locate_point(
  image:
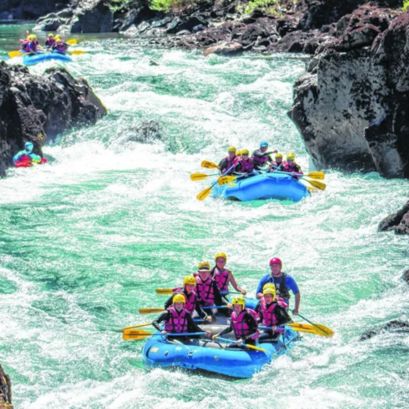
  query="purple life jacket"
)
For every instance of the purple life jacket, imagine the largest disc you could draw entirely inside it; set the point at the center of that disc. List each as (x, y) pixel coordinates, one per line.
(240, 326)
(177, 322)
(205, 290)
(222, 279)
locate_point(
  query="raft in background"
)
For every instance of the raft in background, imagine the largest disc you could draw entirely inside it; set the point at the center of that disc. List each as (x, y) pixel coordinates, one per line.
(38, 58)
(235, 363)
(262, 187)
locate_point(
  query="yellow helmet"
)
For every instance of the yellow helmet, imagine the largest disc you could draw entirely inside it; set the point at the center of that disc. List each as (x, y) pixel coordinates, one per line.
(50, 35)
(269, 290)
(278, 155)
(268, 285)
(290, 156)
(178, 298)
(238, 300)
(239, 152)
(203, 265)
(220, 255)
(57, 37)
(189, 280)
(32, 37)
(231, 149)
(244, 151)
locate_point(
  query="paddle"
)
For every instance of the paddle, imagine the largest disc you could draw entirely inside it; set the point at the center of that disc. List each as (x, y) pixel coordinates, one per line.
(323, 329)
(139, 335)
(201, 176)
(307, 328)
(72, 41)
(209, 165)
(249, 346)
(225, 180)
(205, 193)
(169, 291)
(315, 183)
(152, 310)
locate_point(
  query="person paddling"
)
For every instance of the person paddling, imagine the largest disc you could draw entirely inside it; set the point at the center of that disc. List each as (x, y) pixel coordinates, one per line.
(283, 282)
(49, 43)
(30, 45)
(177, 320)
(290, 165)
(245, 166)
(26, 155)
(278, 163)
(272, 312)
(223, 276)
(60, 46)
(231, 161)
(243, 323)
(192, 301)
(261, 157)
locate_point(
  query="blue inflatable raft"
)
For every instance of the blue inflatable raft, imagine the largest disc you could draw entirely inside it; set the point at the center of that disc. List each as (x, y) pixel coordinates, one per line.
(211, 357)
(37, 58)
(263, 186)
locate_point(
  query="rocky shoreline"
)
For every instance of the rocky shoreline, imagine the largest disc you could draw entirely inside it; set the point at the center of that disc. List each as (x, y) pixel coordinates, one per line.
(37, 108)
(5, 391)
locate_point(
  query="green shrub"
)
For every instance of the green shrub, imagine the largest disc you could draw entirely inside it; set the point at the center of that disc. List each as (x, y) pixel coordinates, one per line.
(405, 6)
(262, 5)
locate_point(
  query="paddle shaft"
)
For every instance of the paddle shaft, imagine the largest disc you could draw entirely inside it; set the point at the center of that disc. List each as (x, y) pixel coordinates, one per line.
(310, 322)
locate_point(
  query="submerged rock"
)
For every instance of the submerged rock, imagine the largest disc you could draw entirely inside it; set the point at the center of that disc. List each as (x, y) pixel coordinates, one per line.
(37, 108)
(5, 391)
(394, 325)
(352, 108)
(398, 222)
(405, 276)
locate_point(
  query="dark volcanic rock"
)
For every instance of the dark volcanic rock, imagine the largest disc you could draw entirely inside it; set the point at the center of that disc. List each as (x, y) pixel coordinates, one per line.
(37, 108)
(394, 325)
(352, 107)
(405, 276)
(5, 391)
(28, 9)
(398, 222)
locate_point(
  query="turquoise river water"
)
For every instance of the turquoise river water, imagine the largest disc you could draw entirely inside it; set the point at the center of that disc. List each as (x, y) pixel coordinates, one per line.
(85, 240)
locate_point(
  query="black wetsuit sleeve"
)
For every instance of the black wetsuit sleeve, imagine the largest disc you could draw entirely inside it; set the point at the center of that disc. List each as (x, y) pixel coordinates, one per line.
(252, 324)
(163, 317)
(192, 326)
(168, 302)
(226, 330)
(217, 296)
(259, 312)
(222, 164)
(200, 312)
(282, 315)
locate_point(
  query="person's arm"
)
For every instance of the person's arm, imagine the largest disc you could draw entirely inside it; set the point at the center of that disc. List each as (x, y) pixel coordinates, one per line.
(252, 324)
(163, 317)
(259, 291)
(297, 303)
(282, 315)
(18, 155)
(259, 312)
(233, 282)
(222, 165)
(292, 285)
(200, 311)
(191, 325)
(168, 302)
(217, 296)
(224, 332)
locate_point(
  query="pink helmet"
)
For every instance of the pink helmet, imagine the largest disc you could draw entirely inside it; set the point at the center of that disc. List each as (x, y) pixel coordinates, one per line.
(275, 260)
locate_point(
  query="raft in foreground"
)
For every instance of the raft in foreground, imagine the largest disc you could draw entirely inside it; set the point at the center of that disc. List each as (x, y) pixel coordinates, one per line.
(37, 58)
(235, 363)
(262, 187)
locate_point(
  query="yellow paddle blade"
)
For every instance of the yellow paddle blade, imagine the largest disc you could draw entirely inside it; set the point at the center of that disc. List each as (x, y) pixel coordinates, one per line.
(164, 291)
(198, 176)
(316, 174)
(135, 334)
(209, 165)
(77, 52)
(316, 183)
(150, 310)
(16, 53)
(72, 41)
(204, 193)
(249, 346)
(224, 180)
(317, 329)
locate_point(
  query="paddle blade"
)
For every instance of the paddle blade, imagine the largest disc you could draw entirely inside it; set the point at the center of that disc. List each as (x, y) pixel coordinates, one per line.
(13, 54)
(72, 41)
(254, 348)
(164, 291)
(316, 183)
(224, 180)
(150, 310)
(204, 193)
(316, 174)
(77, 52)
(198, 176)
(209, 165)
(135, 334)
(317, 329)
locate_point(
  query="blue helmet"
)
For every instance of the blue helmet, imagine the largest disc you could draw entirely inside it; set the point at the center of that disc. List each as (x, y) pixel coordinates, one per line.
(263, 144)
(29, 146)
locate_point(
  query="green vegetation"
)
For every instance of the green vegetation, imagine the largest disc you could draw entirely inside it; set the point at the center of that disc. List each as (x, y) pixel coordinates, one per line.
(168, 5)
(266, 6)
(405, 6)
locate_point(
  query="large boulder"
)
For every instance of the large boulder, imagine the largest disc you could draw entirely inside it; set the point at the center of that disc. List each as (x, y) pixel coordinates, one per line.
(28, 9)
(5, 391)
(397, 222)
(37, 108)
(352, 108)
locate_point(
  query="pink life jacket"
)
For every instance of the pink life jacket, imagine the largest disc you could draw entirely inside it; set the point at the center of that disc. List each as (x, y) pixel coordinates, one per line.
(190, 305)
(177, 322)
(246, 165)
(222, 279)
(269, 316)
(240, 327)
(205, 290)
(291, 167)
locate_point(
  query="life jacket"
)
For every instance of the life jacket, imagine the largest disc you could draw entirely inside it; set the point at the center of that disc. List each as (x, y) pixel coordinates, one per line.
(240, 326)
(60, 47)
(50, 42)
(259, 158)
(246, 165)
(281, 288)
(190, 298)
(227, 163)
(269, 316)
(222, 279)
(205, 290)
(278, 166)
(291, 167)
(177, 322)
(25, 46)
